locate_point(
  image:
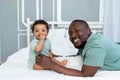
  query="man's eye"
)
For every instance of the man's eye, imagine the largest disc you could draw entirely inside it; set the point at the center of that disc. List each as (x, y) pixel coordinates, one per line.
(77, 31)
(70, 33)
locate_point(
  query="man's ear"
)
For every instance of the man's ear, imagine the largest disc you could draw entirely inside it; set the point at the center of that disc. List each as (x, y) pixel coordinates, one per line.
(89, 31)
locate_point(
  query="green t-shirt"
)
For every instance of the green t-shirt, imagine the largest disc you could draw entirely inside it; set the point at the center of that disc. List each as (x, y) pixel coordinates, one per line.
(101, 52)
(45, 50)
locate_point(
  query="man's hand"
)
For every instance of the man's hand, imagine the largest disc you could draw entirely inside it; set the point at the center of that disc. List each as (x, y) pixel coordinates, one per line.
(44, 61)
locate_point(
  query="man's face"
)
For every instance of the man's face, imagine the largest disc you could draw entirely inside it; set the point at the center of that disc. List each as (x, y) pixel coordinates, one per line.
(78, 34)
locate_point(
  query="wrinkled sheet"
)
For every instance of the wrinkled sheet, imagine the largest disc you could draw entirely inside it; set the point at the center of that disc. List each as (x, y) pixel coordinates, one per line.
(15, 68)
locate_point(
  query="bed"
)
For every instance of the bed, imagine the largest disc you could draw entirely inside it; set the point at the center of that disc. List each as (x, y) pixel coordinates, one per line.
(15, 67)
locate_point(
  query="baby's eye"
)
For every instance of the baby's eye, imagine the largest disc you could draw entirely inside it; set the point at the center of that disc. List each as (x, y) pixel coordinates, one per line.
(43, 30)
(36, 31)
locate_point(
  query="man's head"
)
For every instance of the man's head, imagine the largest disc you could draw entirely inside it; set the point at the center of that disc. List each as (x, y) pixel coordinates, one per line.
(79, 32)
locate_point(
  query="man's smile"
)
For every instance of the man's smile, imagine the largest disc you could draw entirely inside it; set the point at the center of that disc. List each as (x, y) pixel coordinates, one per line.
(76, 42)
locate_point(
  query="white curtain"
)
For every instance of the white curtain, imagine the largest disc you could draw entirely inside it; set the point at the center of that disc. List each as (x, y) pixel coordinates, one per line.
(112, 19)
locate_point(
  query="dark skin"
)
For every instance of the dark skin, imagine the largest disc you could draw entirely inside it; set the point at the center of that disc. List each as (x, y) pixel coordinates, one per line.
(79, 34)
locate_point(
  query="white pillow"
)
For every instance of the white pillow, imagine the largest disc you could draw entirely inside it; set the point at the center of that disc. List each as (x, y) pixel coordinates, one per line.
(58, 38)
(64, 51)
(57, 33)
(72, 62)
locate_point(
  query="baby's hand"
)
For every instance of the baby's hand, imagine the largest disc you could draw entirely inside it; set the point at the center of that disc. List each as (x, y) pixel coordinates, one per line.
(64, 62)
(42, 37)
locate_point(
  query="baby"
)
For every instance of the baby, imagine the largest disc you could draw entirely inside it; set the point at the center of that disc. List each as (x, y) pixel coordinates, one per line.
(41, 45)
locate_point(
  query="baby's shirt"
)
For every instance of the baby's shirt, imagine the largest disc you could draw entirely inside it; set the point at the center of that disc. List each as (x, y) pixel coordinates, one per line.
(45, 50)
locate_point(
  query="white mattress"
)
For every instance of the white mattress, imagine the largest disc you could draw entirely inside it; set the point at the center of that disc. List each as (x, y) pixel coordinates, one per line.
(15, 68)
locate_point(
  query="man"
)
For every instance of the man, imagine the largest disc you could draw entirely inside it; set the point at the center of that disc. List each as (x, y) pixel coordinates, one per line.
(98, 52)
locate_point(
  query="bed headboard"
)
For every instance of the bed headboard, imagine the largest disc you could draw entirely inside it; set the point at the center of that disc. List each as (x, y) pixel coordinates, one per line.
(56, 23)
(58, 33)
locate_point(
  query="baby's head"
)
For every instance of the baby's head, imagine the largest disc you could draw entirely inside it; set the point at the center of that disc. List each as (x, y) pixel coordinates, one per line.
(40, 29)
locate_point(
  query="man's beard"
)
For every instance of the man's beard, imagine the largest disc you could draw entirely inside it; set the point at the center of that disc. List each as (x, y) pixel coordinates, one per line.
(81, 46)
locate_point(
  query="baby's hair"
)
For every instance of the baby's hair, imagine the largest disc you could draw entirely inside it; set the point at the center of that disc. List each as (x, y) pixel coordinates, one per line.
(40, 22)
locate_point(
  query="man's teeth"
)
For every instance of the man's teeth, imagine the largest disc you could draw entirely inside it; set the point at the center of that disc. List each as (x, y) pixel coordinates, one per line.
(76, 40)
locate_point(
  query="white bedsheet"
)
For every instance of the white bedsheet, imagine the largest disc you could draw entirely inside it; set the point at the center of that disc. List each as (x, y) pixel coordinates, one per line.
(15, 68)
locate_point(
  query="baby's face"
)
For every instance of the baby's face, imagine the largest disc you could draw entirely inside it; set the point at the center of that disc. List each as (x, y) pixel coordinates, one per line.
(40, 31)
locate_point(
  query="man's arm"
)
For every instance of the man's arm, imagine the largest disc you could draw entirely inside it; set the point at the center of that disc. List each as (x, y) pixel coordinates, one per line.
(47, 63)
(87, 71)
